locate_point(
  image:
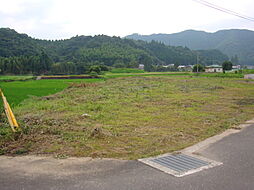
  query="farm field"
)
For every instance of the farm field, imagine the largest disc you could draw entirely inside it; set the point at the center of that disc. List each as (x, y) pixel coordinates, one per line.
(217, 75)
(17, 91)
(22, 87)
(4, 78)
(128, 117)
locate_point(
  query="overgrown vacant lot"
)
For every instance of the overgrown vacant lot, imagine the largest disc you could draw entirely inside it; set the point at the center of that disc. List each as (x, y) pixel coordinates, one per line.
(129, 117)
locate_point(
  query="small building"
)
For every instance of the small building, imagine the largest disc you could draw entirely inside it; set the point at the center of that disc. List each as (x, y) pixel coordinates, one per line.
(213, 69)
(167, 66)
(236, 67)
(141, 66)
(181, 66)
(249, 67)
(187, 68)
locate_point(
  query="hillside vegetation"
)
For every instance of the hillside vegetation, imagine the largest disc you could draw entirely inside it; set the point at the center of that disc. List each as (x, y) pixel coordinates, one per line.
(21, 54)
(233, 42)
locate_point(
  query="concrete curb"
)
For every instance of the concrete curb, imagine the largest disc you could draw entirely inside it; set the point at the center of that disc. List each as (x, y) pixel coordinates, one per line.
(207, 142)
(193, 152)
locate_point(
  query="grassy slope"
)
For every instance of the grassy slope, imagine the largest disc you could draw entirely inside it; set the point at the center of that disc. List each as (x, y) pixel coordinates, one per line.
(134, 117)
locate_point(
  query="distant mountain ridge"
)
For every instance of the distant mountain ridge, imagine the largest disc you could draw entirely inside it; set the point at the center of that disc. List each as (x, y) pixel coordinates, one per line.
(230, 42)
(21, 54)
(103, 49)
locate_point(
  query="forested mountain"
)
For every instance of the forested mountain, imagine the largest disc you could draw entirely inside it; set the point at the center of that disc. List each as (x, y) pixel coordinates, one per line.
(231, 42)
(15, 44)
(22, 54)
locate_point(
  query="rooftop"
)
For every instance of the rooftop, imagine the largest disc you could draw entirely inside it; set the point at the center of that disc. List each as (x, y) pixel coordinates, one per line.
(213, 66)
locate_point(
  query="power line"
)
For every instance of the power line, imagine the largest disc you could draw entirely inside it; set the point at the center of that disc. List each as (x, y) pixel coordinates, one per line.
(224, 10)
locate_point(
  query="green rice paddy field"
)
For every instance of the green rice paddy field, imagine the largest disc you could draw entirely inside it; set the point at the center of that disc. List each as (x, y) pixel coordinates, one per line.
(17, 91)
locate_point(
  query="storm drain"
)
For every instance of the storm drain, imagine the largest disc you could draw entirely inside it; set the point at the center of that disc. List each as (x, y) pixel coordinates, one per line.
(180, 164)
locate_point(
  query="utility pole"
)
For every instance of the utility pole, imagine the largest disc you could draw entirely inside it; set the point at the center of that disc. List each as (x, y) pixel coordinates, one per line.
(197, 62)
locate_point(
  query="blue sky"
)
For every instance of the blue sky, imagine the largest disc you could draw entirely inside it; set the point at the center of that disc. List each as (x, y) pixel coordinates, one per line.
(60, 19)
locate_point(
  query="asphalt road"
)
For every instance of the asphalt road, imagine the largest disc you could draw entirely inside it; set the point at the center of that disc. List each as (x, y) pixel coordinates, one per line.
(235, 151)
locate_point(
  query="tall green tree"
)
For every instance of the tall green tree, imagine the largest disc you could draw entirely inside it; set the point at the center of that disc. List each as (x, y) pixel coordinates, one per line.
(198, 68)
(227, 65)
(45, 63)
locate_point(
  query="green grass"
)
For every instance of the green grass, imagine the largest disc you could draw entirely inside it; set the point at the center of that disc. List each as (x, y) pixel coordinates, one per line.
(220, 75)
(22, 87)
(118, 75)
(126, 70)
(17, 91)
(172, 74)
(248, 71)
(130, 117)
(15, 78)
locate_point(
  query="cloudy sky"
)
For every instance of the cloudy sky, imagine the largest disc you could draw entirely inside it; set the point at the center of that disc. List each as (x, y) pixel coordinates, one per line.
(59, 19)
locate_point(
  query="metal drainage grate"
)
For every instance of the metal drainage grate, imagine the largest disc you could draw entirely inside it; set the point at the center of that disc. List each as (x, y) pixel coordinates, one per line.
(179, 164)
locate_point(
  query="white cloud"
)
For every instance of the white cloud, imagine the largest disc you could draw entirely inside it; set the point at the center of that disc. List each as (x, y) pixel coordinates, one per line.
(10, 7)
(65, 18)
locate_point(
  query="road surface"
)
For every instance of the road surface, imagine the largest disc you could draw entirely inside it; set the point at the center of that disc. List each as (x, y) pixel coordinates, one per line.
(31, 172)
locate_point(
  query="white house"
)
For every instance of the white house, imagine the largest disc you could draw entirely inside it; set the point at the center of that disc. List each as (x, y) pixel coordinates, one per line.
(170, 65)
(213, 69)
(141, 66)
(185, 67)
(236, 67)
(250, 67)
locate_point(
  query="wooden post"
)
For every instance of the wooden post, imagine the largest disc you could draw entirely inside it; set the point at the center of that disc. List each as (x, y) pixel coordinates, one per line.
(10, 116)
